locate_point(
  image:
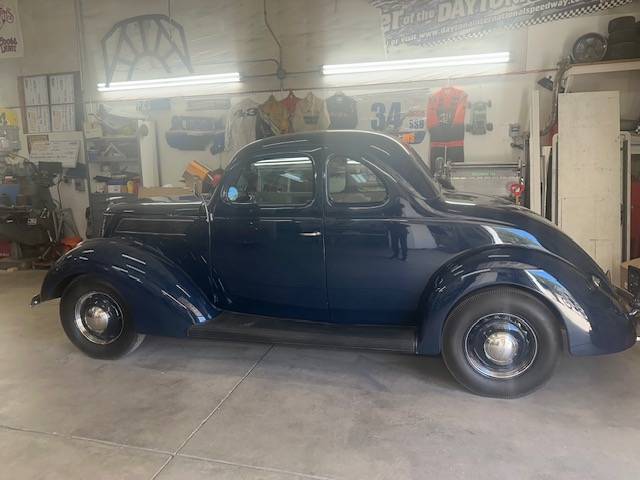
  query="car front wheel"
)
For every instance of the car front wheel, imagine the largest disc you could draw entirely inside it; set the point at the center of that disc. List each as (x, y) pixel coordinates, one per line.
(501, 342)
(96, 320)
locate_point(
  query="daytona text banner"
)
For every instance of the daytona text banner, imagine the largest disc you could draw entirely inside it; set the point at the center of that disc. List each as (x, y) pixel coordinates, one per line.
(430, 22)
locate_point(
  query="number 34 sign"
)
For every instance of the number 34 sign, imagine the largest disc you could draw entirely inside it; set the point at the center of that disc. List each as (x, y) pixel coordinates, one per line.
(405, 119)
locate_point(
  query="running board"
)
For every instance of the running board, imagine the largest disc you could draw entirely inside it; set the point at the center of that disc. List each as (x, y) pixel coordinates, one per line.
(254, 328)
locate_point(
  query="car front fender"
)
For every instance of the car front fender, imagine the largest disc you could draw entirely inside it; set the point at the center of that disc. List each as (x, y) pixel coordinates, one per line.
(160, 296)
(589, 310)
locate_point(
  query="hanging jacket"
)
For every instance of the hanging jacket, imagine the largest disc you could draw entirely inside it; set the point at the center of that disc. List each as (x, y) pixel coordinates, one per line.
(310, 114)
(446, 110)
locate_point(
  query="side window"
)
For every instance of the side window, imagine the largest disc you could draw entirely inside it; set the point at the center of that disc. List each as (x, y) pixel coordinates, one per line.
(352, 182)
(278, 181)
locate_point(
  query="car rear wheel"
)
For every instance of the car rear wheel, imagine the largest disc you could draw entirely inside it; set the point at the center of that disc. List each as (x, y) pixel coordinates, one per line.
(501, 342)
(96, 320)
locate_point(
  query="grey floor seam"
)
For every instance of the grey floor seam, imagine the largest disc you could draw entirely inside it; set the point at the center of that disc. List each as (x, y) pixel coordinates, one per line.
(121, 445)
(253, 467)
(170, 455)
(162, 467)
(30, 430)
(215, 409)
(85, 439)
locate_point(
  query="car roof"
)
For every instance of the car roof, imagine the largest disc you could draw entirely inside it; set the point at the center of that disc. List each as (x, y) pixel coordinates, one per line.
(321, 136)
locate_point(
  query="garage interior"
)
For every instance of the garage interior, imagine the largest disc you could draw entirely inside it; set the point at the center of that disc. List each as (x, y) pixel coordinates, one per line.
(104, 101)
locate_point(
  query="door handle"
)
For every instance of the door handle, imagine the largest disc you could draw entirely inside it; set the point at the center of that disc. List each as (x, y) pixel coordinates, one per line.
(310, 234)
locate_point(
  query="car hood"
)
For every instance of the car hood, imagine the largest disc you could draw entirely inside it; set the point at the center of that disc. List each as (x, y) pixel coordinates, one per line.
(156, 208)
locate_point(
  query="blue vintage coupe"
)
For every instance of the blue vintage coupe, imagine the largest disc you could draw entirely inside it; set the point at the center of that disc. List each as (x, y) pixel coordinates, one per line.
(343, 239)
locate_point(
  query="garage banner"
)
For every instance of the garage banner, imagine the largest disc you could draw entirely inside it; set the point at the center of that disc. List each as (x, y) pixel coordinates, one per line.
(10, 34)
(430, 22)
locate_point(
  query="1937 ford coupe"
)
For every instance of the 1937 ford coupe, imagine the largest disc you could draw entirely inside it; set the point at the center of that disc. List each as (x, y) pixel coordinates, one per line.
(343, 239)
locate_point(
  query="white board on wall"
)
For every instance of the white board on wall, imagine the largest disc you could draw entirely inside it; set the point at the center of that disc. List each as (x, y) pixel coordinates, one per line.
(535, 167)
(590, 175)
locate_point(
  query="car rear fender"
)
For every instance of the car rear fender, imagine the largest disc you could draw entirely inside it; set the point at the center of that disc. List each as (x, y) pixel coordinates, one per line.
(161, 297)
(591, 314)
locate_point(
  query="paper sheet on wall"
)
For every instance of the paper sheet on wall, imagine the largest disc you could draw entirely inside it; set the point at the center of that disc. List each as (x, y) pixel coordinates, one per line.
(62, 88)
(63, 118)
(35, 90)
(38, 119)
(63, 151)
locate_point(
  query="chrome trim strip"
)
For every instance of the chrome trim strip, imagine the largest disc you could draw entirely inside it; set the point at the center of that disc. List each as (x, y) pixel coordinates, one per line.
(143, 219)
(124, 255)
(152, 233)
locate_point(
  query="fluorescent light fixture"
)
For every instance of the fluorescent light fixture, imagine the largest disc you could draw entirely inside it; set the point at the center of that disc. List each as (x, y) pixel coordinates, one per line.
(170, 82)
(458, 60)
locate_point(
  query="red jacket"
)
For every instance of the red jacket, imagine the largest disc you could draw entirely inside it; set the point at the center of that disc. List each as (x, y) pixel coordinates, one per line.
(445, 117)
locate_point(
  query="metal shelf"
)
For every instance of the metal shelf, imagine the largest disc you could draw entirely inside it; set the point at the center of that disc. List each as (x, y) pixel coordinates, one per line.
(114, 160)
(599, 68)
(113, 139)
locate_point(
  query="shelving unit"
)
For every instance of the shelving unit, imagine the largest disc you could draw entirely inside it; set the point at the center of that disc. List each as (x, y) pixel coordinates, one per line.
(115, 158)
(598, 67)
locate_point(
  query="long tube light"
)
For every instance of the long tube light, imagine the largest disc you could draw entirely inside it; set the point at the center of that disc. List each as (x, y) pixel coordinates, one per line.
(170, 82)
(454, 61)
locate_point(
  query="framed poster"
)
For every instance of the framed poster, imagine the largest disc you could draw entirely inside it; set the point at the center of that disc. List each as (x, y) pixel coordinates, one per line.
(51, 103)
(10, 32)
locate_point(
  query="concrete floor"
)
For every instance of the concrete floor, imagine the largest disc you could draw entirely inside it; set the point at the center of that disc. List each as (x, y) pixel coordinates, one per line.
(187, 409)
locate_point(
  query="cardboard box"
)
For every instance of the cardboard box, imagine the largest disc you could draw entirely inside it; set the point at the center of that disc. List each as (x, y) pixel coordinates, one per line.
(624, 270)
(171, 192)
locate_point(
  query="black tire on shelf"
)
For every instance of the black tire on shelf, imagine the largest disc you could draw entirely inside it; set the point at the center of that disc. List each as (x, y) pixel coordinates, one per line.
(96, 319)
(590, 47)
(622, 23)
(622, 36)
(622, 51)
(484, 323)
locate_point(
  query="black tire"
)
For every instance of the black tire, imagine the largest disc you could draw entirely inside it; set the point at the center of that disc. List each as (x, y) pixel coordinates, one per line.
(537, 352)
(622, 51)
(621, 23)
(622, 36)
(118, 338)
(590, 47)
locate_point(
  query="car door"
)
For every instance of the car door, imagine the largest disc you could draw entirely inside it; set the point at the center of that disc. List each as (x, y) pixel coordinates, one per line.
(267, 237)
(375, 273)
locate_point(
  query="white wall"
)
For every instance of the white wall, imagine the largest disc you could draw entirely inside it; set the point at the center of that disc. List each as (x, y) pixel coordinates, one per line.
(313, 32)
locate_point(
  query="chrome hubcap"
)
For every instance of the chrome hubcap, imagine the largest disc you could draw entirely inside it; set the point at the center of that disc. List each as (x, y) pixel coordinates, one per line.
(501, 348)
(98, 317)
(501, 345)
